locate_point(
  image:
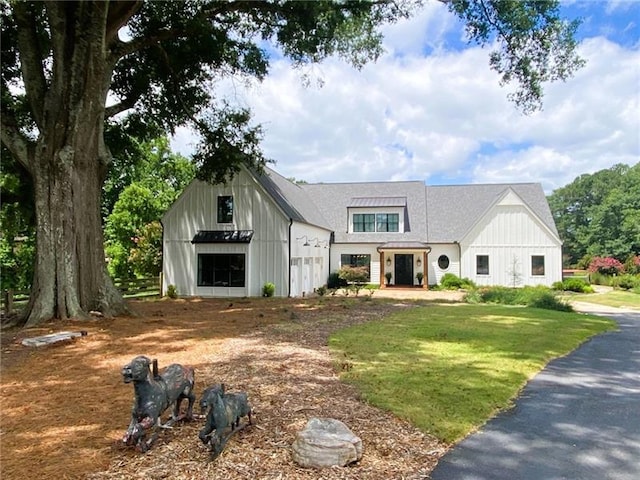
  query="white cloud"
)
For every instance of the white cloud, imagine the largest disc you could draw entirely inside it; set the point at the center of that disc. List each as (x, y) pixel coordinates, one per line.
(444, 117)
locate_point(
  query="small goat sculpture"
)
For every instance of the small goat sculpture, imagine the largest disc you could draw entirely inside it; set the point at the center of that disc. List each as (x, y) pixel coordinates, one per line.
(225, 410)
(153, 395)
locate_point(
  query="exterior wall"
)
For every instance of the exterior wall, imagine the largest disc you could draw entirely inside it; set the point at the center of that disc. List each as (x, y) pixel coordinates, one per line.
(509, 234)
(435, 273)
(376, 269)
(309, 264)
(357, 249)
(267, 256)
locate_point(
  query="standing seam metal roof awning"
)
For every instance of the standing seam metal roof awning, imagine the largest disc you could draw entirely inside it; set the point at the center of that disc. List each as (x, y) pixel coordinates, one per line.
(223, 236)
(359, 202)
(403, 246)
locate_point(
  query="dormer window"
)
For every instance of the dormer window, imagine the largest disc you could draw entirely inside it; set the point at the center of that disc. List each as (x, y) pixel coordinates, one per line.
(364, 222)
(387, 222)
(377, 214)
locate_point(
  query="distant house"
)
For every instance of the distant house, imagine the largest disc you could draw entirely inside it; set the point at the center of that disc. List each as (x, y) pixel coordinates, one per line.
(229, 240)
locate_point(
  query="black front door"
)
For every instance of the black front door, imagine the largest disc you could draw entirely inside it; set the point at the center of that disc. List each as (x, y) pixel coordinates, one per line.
(404, 269)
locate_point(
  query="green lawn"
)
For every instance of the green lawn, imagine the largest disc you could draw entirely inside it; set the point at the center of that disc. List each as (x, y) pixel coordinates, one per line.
(448, 369)
(614, 298)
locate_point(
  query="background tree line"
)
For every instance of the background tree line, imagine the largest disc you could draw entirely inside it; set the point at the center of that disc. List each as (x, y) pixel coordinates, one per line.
(598, 215)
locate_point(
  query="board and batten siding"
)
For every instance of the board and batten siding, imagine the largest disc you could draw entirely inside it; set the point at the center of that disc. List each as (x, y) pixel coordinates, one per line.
(435, 273)
(509, 234)
(339, 249)
(253, 209)
(309, 264)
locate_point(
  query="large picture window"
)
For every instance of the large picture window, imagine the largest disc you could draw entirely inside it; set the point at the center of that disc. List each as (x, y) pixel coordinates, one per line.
(482, 264)
(221, 270)
(379, 222)
(537, 265)
(356, 260)
(225, 209)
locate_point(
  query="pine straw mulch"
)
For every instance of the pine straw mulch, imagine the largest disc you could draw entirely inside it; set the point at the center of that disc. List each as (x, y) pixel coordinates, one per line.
(65, 406)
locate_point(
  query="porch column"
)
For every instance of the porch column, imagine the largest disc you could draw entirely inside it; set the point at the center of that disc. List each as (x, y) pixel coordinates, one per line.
(382, 266)
(425, 269)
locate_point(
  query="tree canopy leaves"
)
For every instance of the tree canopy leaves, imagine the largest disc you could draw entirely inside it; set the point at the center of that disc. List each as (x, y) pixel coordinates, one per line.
(599, 214)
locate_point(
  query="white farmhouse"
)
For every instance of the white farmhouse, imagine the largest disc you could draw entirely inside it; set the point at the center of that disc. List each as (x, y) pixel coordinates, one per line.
(229, 240)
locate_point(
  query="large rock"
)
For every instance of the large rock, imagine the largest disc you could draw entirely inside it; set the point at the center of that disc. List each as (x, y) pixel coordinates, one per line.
(326, 442)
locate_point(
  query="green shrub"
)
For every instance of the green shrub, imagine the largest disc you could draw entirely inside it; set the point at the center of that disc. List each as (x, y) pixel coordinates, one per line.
(549, 301)
(268, 289)
(450, 281)
(322, 291)
(537, 297)
(573, 285)
(172, 291)
(626, 282)
(598, 278)
(335, 281)
(584, 262)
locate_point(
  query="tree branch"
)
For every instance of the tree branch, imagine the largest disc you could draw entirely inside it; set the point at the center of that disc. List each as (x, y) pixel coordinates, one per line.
(119, 14)
(31, 60)
(141, 43)
(120, 107)
(21, 147)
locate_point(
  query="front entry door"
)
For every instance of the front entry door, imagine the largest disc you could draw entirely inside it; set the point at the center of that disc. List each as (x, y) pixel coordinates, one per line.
(404, 269)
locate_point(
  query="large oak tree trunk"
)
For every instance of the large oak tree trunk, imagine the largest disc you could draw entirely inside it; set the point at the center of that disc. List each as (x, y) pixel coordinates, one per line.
(68, 169)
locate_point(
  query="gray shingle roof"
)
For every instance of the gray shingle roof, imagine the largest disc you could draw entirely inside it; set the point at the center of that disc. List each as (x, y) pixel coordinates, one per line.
(434, 214)
(454, 209)
(292, 199)
(333, 199)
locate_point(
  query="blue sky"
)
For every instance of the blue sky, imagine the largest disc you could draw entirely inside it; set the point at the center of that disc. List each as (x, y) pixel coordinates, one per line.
(431, 109)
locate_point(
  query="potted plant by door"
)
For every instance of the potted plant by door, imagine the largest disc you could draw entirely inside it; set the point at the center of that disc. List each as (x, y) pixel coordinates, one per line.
(388, 276)
(419, 277)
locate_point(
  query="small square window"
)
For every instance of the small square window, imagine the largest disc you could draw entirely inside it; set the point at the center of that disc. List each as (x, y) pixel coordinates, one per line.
(482, 264)
(537, 265)
(225, 209)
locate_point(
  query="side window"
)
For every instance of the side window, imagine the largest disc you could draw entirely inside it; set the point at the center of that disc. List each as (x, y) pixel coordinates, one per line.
(225, 209)
(537, 264)
(443, 262)
(482, 264)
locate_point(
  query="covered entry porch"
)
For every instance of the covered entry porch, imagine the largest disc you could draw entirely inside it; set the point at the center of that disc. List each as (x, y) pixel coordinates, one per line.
(404, 264)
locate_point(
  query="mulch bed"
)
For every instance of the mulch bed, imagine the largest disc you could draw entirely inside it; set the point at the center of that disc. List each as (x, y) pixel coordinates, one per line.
(65, 406)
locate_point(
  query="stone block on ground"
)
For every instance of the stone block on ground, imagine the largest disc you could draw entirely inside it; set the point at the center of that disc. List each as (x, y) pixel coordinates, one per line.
(326, 442)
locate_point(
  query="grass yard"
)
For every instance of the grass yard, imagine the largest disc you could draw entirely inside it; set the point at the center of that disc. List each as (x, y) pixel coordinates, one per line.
(448, 369)
(613, 298)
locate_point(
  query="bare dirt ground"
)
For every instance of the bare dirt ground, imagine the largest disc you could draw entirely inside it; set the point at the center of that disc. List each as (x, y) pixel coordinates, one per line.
(65, 407)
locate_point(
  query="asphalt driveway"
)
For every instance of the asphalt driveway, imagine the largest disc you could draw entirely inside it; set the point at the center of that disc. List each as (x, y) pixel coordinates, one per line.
(578, 419)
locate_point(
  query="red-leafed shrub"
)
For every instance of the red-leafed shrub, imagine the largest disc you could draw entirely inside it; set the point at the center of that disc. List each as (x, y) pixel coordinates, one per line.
(606, 266)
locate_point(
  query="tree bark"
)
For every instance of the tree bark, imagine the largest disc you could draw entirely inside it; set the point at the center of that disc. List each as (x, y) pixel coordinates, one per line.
(68, 167)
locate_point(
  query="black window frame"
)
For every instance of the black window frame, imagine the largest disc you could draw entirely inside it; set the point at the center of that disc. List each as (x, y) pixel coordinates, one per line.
(441, 259)
(384, 222)
(225, 209)
(535, 268)
(356, 260)
(363, 221)
(221, 270)
(481, 268)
